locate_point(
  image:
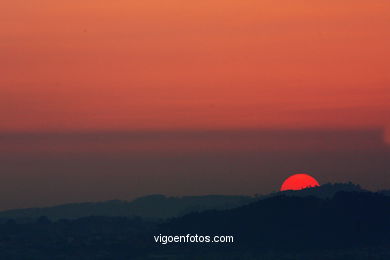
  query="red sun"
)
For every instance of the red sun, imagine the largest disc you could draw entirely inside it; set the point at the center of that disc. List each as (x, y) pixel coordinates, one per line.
(298, 182)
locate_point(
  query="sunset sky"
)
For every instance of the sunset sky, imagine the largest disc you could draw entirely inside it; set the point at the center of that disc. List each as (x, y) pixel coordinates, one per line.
(165, 71)
(125, 65)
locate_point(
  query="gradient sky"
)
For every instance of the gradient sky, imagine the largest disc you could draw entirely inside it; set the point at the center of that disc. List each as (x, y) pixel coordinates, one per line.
(189, 86)
(115, 65)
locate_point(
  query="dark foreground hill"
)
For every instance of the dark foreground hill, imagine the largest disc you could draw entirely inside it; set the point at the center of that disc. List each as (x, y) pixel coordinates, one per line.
(349, 219)
(351, 225)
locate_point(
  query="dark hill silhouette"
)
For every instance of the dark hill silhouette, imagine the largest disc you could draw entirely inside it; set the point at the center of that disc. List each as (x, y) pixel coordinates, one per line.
(385, 192)
(153, 207)
(349, 219)
(162, 207)
(350, 225)
(324, 191)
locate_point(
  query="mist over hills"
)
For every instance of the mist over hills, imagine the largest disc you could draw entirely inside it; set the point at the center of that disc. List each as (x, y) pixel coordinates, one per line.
(163, 207)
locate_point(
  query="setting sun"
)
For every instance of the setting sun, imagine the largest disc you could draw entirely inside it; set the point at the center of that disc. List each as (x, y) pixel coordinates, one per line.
(299, 182)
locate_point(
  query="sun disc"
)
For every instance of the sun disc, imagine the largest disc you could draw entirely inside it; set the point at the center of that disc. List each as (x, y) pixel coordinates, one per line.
(298, 182)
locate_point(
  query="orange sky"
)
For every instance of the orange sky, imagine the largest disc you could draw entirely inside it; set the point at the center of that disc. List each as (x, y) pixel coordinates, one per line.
(173, 64)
